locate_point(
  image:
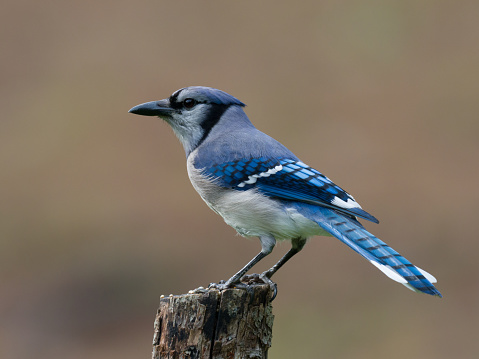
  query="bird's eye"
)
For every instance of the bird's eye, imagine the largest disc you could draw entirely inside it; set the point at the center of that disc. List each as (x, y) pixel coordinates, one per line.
(189, 103)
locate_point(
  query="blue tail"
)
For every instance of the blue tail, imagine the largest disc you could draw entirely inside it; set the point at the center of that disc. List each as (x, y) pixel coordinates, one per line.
(352, 233)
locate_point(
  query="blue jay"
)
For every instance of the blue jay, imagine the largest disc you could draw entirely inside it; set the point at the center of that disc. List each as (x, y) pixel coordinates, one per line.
(262, 189)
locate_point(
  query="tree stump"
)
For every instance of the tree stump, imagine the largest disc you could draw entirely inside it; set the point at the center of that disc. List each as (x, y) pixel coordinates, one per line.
(234, 323)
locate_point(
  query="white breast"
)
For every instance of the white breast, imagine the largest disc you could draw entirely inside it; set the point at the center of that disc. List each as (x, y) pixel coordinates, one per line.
(250, 212)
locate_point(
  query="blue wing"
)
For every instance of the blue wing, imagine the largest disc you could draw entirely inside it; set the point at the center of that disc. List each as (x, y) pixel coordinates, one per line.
(286, 179)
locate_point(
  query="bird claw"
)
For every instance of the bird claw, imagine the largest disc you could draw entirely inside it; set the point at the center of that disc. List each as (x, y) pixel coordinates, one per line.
(264, 279)
(273, 286)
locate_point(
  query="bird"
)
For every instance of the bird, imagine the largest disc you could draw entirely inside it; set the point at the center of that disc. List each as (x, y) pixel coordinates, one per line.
(263, 190)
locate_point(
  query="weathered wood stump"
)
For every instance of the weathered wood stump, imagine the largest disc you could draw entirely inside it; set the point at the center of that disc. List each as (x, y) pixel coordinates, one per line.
(233, 323)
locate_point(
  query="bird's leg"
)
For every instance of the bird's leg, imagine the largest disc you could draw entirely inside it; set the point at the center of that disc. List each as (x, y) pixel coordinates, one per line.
(267, 245)
(296, 245)
(265, 277)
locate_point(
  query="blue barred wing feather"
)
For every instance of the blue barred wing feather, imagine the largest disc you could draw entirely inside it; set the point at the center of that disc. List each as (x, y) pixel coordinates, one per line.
(286, 179)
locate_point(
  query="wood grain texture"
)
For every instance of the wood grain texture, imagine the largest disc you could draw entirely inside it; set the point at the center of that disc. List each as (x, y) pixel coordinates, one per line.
(234, 323)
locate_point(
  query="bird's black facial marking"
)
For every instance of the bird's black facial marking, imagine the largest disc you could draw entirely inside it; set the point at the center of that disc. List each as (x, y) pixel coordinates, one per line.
(211, 119)
(187, 103)
(174, 100)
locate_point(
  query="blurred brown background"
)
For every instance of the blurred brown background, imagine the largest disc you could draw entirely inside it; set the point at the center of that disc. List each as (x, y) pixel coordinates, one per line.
(98, 218)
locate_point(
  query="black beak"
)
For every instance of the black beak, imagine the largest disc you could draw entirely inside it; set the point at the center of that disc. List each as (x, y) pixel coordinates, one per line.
(154, 108)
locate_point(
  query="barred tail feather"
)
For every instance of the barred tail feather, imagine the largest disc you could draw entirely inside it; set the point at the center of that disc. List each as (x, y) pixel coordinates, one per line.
(383, 257)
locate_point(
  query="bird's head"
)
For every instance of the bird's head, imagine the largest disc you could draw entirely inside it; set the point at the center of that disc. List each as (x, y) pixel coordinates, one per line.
(191, 111)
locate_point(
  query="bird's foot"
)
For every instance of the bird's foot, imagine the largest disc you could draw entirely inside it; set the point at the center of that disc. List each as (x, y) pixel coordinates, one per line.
(246, 283)
(263, 278)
